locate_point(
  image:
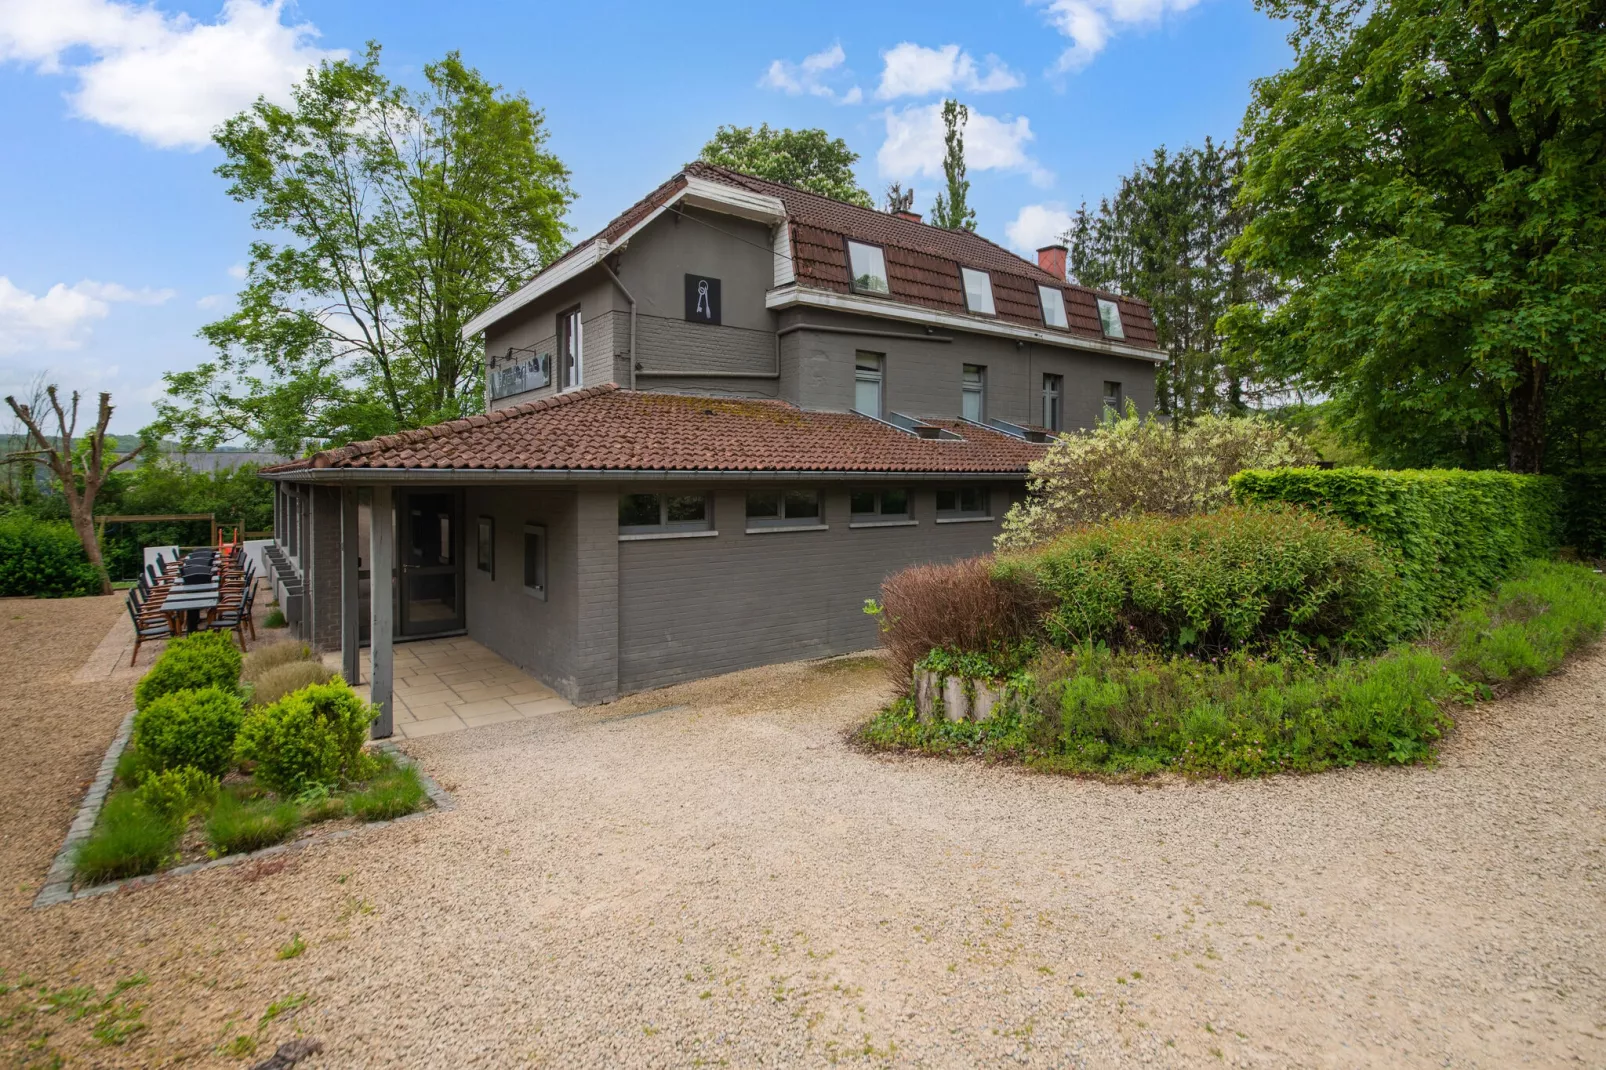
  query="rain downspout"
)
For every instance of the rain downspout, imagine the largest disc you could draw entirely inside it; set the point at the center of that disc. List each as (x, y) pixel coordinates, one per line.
(632, 301)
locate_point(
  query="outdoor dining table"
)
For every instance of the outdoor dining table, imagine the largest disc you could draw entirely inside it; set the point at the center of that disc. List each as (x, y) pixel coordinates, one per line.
(190, 602)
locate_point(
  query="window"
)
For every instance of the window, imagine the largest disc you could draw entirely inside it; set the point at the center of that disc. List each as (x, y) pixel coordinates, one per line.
(1112, 396)
(869, 267)
(654, 513)
(973, 388)
(962, 503)
(570, 346)
(794, 507)
(867, 384)
(1053, 302)
(485, 548)
(535, 560)
(978, 291)
(1110, 318)
(889, 505)
(1053, 392)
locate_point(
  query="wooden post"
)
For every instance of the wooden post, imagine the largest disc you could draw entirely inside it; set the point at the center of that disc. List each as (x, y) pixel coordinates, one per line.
(350, 600)
(381, 560)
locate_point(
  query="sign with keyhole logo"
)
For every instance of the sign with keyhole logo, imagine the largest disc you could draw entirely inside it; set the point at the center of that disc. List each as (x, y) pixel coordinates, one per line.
(702, 299)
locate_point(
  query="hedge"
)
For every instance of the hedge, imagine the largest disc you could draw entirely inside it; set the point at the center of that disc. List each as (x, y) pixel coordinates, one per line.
(1456, 534)
(191, 663)
(1584, 511)
(43, 559)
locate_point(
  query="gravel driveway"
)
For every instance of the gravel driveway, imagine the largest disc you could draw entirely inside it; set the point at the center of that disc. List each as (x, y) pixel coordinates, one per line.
(730, 883)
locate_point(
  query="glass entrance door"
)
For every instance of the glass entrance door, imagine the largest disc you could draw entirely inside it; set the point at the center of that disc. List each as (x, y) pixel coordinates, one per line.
(431, 560)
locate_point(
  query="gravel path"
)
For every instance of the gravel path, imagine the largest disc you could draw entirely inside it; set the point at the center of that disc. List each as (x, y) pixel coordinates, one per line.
(729, 882)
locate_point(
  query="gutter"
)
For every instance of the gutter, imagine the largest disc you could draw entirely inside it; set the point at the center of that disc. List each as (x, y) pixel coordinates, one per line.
(484, 476)
(632, 301)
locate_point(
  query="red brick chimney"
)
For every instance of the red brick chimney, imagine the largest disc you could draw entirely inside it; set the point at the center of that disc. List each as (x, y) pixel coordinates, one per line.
(913, 217)
(1051, 258)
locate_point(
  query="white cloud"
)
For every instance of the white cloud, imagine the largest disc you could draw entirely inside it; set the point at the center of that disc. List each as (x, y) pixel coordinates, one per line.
(1091, 23)
(210, 301)
(238, 271)
(61, 317)
(166, 79)
(914, 144)
(1037, 225)
(910, 70)
(813, 77)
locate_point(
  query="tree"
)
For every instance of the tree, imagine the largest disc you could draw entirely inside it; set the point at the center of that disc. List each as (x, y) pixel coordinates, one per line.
(1163, 238)
(1429, 178)
(954, 211)
(80, 467)
(808, 159)
(389, 219)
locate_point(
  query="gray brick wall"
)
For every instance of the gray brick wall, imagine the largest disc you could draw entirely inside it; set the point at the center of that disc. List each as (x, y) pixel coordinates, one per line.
(596, 559)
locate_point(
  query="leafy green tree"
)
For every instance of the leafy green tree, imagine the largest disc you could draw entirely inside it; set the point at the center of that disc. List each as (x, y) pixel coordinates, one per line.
(388, 219)
(953, 210)
(1429, 178)
(1163, 238)
(808, 159)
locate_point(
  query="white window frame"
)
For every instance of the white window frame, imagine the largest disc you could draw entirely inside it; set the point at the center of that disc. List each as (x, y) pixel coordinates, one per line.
(782, 520)
(665, 528)
(879, 254)
(880, 518)
(979, 303)
(977, 390)
(1053, 401)
(960, 515)
(571, 329)
(1052, 297)
(537, 589)
(1110, 318)
(865, 375)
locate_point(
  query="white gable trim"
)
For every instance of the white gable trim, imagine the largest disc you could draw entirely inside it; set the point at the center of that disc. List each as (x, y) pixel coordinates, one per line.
(583, 260)
(793, 295)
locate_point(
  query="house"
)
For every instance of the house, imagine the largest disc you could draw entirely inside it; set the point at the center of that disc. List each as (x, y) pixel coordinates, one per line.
(711, 430)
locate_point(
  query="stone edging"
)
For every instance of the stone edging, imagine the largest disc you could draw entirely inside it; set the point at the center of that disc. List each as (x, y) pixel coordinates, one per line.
(58, 881)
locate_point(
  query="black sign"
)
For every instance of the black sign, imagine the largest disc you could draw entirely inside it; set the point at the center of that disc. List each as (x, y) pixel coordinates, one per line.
(702, 299)
(530, 372)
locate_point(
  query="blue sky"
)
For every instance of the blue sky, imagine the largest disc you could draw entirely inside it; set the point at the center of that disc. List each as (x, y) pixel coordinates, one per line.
(117, 241)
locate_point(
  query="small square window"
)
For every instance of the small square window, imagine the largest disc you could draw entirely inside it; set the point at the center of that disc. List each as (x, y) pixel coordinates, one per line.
(638, 511)
(763, 504)
(649, 514)
(1110, 318)
(869, 267)
(1053, 302)
(961, 503)
(485, 547)
(793, 507)
(686, 509)
(888, 503)
(535, 560)
(978, 291)
(1112, 396)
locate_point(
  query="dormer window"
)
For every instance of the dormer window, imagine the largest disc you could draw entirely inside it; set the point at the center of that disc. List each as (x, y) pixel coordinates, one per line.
(869, 267)
(1053, 302)
(978, 291)
(1110, 318)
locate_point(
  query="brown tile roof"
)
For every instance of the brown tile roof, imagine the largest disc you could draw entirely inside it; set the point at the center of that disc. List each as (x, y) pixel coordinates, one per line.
(606, 428)
(923, 261)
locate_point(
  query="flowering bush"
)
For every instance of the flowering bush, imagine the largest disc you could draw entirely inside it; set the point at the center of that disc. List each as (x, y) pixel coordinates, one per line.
(1134, 465)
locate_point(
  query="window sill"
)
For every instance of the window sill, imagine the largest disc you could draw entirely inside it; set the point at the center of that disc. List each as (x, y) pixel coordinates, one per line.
(650, 535)
(788, 527)
(883, 523)
(965, 520)
(538, 593)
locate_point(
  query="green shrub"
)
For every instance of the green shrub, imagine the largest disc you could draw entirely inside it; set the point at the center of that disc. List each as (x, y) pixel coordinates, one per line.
(1584, 510)
(1235, 579)
(391, 795)
(130, 839)
(177, 793)
(1456, 534)
(132, 768)
(191, 663)
(263, 658)
(1539, 616)
(235, 825)
(313, 736)
(194, 728)
(43, 559)
(275, 619)
(281, 680)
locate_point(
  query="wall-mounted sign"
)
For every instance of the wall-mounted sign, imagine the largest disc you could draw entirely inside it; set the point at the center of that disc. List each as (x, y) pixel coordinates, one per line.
(702, 299)
(530, 372)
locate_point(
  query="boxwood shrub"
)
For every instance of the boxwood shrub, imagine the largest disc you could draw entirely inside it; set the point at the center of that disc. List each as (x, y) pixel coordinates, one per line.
(1454, 534)
(308, 738)
(191, 663)
(194, 728)
(43, 559)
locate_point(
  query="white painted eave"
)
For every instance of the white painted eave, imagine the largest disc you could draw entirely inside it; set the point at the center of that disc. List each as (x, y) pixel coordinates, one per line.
(798, 296)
